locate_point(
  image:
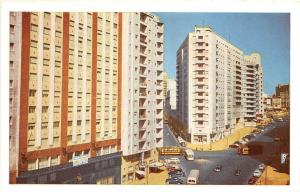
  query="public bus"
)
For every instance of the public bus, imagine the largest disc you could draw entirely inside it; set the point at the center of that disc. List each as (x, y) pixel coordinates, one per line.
(169, 151)
(189, 154)
(193, 178)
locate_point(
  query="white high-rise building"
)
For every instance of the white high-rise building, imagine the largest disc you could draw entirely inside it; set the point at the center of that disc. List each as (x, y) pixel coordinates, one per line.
(142, 97)
(253, 86)
(211, 85)
(171, 95)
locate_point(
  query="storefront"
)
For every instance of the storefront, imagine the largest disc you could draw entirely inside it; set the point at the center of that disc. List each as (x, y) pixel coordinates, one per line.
(104, 169)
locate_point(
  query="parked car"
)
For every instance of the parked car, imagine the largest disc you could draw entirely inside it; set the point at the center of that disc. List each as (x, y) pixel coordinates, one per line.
(252, 180)
(176, 173)
(174, 180)
(262, 166)
(246, 139)
(234, 146)
(172, 160)
(174, 168)
(218, 168)
(257, 173)
(237, 172)
(237, 142)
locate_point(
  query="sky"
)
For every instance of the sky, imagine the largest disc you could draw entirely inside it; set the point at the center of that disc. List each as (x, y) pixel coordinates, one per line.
(265, 33)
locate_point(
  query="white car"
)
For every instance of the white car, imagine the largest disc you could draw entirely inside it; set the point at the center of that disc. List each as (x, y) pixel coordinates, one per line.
(242, 141)
(257, 173)
(172, 160)
(262, 166)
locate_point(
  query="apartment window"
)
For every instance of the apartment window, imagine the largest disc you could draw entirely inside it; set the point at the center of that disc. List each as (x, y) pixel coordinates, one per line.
(10, 83)
(12, 29)
(11, 46)
(32, 93)
(44, 109)
(11, 64)
(10, 101)
(31, 109)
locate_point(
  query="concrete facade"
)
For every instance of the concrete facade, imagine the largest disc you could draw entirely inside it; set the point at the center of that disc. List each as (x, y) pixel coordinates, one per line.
(211, 85)
(68, 85)
(14, 92)
(142, 97)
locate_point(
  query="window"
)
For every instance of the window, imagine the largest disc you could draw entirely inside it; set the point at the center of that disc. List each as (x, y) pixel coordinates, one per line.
(11, 46)
(32, 93)
(12, 29)
(10, 83)
(31, 109)
(44, 109)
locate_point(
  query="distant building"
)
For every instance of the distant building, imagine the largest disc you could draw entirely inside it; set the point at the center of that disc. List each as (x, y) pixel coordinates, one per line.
(165, 84)
(276, 102)
(219, 88)
(283, 91)
(171, 96)
(267, 102)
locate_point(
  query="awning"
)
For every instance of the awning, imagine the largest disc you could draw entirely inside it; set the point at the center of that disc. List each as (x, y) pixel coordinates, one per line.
(156, 164)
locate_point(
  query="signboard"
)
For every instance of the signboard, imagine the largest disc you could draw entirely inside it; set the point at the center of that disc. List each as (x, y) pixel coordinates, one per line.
(80, 160)
(284, 158)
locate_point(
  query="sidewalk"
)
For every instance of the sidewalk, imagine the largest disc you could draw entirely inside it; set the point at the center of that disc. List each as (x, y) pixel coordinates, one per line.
(153, 179)
(271, 176)
(223, 143)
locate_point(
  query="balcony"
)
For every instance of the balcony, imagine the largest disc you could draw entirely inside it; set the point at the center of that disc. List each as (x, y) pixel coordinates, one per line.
(143, 60)
(143, 49)
(143, 17)
(142, 71)
(143, 39)
(143, 28)
(160, 27)
(143, 94)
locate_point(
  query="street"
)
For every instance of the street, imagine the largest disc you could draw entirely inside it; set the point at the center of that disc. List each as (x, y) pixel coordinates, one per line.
(230, 160)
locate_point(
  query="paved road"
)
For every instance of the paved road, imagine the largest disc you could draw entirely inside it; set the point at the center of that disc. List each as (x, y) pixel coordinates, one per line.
(229, 159)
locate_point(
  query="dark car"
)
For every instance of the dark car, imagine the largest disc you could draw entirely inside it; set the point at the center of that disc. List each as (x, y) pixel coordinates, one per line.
(174, 168)
(252, 180)
(237, 172)
(176, 174)
(218, 168)
(234, 146)
(174, 180)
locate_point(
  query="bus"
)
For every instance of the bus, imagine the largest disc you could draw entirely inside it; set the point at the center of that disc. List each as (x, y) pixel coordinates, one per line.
(253, 149)
(169, 151)
(189, 154)
(181, 141)
(193, 178)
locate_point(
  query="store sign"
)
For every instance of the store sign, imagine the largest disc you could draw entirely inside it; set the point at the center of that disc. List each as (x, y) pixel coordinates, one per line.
(80, 160)
(284, 158)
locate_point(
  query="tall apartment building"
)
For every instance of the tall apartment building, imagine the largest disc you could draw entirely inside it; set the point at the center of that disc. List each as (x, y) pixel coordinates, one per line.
(171, 96)
(14, 93)
(253, 75)
(211, 85)
(70, 96)
(142, 97)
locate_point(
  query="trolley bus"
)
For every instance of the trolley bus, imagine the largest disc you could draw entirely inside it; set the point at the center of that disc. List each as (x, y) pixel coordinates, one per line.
(169, 151)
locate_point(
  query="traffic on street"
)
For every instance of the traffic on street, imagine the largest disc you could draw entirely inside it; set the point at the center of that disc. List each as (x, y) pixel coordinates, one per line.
(231, 166)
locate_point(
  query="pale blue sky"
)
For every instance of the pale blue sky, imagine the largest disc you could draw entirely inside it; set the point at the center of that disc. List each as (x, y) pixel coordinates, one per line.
(266, 33)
